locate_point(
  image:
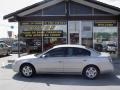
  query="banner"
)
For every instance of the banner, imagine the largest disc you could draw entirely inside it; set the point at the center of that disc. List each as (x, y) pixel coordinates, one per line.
(45, 23)
(49, 33)
(105, 24)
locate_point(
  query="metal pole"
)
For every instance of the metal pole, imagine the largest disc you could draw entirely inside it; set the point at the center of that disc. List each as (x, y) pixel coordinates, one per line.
(67, 31)
(42, 34)
(19, 39)
(93, 34)
(67, 16)
(80, 33)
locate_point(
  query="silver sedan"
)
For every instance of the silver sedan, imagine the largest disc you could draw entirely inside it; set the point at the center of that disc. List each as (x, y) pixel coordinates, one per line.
(65, 59)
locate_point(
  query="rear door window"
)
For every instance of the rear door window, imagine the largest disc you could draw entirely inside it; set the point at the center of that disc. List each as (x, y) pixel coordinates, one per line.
(78, 52)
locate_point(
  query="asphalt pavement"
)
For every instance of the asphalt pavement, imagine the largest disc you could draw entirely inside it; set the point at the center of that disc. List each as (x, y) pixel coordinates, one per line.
(10, 80)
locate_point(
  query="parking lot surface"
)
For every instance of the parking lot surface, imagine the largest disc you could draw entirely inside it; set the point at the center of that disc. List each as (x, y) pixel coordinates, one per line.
(10, 80)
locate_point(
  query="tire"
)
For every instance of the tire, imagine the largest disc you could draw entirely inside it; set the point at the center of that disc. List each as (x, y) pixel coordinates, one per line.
(91, 72)
(27, 70)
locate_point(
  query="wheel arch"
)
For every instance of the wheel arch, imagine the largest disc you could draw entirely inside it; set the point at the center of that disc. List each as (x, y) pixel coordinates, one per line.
(26, 63)
(91, 65)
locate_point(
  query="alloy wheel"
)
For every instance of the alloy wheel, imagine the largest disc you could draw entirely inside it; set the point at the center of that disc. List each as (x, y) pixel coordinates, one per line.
(27, 71)
(91, 72)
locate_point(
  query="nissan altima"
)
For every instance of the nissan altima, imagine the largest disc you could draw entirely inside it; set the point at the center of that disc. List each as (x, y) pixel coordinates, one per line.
(65, 59)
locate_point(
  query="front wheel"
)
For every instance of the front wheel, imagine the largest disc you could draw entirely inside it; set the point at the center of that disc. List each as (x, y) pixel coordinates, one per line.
(27, 70)
(91, 72)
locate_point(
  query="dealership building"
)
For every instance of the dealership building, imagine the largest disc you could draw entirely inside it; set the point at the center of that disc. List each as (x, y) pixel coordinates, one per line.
(53, 22)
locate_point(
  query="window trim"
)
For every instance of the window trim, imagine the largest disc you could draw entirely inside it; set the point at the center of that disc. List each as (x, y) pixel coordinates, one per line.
(54, 49)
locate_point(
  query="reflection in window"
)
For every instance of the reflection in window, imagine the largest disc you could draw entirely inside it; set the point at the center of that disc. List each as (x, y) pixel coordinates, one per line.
(49, 42)
(105, 39)
(58, 52)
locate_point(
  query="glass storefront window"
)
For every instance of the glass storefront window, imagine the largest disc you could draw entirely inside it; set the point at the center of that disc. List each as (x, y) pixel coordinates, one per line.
(43, 35)
(105, 38)
(55, 39)
(100, 35)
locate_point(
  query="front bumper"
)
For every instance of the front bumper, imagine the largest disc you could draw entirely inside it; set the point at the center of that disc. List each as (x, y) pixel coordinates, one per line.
(15, 67)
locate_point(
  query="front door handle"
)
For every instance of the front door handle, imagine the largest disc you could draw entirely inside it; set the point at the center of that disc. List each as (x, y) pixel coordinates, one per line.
(60, 61)
(84, 60)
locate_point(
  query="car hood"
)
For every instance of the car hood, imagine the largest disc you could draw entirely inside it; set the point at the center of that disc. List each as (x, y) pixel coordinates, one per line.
(32, 56)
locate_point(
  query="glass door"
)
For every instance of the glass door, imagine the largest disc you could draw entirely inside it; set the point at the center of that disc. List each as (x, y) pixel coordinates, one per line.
(87, 33)
(74, 38)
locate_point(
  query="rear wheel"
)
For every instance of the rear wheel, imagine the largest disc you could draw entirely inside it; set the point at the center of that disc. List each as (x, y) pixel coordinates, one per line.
(91, 72)
(27, 70)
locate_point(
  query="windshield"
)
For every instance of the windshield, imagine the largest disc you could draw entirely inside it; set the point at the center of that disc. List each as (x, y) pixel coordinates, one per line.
(94, 50)
(38, 54)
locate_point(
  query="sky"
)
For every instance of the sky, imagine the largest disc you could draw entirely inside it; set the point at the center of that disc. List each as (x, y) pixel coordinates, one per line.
(9, 6)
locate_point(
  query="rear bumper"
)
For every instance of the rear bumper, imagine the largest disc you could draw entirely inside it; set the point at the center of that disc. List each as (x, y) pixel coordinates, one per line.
(107, 68)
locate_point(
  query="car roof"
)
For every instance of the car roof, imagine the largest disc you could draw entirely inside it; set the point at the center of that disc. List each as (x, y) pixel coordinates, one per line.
(69, 45)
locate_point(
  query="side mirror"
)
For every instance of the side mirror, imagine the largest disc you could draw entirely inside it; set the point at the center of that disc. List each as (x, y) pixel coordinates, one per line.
(43, 56)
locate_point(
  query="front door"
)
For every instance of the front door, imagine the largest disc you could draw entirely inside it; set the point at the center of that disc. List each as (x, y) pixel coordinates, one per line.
(52, 61)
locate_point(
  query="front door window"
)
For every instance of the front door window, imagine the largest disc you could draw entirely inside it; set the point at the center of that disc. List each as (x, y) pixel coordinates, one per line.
(58, 52)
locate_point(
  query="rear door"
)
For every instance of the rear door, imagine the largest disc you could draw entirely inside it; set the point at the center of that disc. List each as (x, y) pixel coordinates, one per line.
(75, 60)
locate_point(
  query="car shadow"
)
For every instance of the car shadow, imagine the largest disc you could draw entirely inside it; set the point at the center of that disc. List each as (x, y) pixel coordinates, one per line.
(103, 80)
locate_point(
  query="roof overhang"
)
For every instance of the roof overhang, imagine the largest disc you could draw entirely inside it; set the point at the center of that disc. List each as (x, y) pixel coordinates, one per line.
(97, 6)
(41, 5)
